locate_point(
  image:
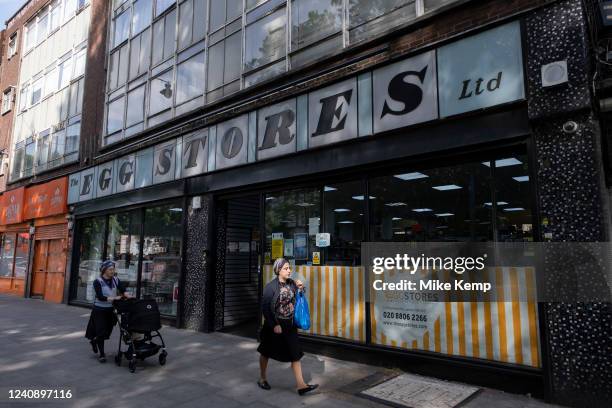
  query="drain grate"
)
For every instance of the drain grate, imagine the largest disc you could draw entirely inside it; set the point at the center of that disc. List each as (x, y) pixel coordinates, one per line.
(413, 391)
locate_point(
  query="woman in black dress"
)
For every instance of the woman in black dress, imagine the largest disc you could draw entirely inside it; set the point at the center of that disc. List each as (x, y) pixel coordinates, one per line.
(102, 320)
(279, 337)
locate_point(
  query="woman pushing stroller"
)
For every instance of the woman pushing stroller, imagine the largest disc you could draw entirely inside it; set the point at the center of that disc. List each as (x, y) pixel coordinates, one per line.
(102, 320)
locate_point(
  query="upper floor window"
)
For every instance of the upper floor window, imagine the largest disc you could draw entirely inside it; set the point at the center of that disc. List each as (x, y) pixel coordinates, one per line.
(30, 35)
(12, 45)
(7, 99)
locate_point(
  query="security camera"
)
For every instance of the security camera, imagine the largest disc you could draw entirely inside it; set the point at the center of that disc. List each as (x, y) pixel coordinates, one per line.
(570, 127)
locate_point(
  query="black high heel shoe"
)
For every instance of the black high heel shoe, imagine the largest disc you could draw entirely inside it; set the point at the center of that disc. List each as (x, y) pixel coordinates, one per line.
(263, 384)
(309, 388)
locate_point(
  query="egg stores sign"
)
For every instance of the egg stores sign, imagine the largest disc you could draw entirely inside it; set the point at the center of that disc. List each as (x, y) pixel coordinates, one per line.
(474, 73)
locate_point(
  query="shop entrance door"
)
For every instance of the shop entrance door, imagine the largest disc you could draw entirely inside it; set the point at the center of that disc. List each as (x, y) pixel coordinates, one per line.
(49, 270)
(242, 271)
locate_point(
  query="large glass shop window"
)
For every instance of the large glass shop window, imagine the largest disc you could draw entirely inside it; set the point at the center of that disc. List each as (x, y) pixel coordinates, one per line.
(91, 251)
(123, 246)
(319, 230)
(161, 256)
(479, 201)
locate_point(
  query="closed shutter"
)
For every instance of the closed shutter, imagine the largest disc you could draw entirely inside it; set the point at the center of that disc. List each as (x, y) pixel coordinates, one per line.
(56, 231)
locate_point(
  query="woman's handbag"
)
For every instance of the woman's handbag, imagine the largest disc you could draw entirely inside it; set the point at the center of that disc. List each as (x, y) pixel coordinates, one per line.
(301, 314)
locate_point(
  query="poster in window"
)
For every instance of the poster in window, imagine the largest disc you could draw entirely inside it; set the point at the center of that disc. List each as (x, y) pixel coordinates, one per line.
(289, 248)
(277, 245)
(300, 246)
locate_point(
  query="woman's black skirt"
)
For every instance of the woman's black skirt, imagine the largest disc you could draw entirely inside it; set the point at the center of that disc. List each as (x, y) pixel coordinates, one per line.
(283, 347)
(101, 323)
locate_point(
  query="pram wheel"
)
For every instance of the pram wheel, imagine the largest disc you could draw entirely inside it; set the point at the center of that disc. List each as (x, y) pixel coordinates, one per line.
(132, 365)
(162, 357)
(118, 359)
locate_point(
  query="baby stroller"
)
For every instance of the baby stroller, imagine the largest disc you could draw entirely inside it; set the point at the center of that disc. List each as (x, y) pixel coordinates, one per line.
(139, 322)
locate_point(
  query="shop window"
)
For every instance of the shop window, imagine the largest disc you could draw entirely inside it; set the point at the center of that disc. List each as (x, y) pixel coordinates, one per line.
(192, 22)
(442, 204)
(142, 15)
(21, 255)
(161, 92)
(91, 248)
(161, 264)
(140, 54)
(190, 79)
(7, 255)
(121, 30)
(123, 246)
(334, 281)
(367, 19)
(512, 199)
(164, 31)
(265, 40)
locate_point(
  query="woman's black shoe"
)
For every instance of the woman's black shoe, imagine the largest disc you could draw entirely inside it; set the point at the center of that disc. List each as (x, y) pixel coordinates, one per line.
(263, 385)
(309, 388)
(102, 359)
(94, 347)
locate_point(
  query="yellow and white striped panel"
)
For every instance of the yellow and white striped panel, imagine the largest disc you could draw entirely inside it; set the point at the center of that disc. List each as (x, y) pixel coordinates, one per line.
(505, 330)
(336, 296)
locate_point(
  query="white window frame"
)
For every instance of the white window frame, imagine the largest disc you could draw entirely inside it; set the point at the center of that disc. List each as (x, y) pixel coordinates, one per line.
(12, 45)
(8, 95)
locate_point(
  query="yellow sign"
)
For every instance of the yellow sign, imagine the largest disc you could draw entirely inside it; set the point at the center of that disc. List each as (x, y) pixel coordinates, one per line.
(316, 258)
(277, 248)
(267, 259)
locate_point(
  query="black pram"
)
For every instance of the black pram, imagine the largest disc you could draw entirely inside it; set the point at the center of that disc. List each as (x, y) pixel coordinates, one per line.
(139, 317)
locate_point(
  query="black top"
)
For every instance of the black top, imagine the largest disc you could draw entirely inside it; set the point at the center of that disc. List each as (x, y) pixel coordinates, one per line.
(98, 288)
(270, 297)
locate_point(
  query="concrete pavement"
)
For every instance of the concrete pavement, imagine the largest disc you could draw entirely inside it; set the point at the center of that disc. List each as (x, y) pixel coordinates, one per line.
(42, 346)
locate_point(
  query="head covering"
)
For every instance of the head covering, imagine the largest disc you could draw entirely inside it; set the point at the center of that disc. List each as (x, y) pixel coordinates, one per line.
(106, 264)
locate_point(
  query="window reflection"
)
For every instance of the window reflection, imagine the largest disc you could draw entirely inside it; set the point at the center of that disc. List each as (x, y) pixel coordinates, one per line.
(313, 20)
(91, 233)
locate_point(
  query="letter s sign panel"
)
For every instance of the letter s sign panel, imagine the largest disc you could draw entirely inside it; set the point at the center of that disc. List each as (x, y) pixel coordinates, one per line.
(405, 93)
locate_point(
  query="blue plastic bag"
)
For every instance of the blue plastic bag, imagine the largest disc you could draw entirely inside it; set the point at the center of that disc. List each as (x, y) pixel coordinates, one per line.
(302, 314)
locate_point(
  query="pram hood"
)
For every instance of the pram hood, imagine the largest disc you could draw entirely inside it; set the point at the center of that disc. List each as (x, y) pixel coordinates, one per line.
(138, 315)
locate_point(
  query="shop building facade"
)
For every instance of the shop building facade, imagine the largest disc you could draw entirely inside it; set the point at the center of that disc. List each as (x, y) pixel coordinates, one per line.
(244, 137)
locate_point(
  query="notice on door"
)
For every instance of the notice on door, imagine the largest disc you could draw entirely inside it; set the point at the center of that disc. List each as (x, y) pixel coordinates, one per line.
(277, 245)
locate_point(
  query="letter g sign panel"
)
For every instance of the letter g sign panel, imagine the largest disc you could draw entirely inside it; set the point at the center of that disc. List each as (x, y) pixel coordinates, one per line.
(405, 93)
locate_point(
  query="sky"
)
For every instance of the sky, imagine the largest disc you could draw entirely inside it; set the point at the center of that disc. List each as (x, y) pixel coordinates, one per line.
(8, 8)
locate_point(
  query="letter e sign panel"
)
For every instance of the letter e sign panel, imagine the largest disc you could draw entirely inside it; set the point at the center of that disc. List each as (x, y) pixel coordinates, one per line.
(481, 71)
(405, 93)
(332, 113)
(232, 142)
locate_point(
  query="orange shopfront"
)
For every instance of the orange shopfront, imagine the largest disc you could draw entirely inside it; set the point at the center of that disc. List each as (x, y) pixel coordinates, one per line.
(44, 208)
(15, 240)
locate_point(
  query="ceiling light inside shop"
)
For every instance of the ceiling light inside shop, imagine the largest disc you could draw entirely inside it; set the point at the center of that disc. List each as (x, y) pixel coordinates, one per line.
(304, 204)
(498, 203)
(340, 210)
(447, 187)
(396, 218)
(361, 198)
(176, 209)
(514, 209)
(521, 179)
(444, 214)
(420, 210)
(400, 232)
(269, 198)
(503, 162)
(328, 188)
(410, 176)
(396, 204)
(346, 222)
